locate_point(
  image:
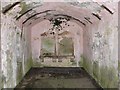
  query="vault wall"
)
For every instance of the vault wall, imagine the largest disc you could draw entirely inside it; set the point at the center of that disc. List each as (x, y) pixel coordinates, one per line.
(16, 57)
(101, 50)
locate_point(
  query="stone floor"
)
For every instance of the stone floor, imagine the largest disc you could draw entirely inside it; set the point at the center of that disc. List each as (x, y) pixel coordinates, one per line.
(49, 77)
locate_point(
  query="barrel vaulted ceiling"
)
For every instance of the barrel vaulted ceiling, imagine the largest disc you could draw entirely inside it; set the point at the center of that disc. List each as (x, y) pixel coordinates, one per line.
(82, 12)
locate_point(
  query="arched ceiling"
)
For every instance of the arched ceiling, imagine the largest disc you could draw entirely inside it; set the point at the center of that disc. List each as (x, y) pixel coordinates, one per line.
(82, 12)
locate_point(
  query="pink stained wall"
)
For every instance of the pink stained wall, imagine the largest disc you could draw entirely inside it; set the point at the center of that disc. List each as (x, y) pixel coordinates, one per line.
(76, 33)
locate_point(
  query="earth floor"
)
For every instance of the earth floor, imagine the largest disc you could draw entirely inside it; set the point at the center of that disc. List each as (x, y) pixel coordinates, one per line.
(58, 77)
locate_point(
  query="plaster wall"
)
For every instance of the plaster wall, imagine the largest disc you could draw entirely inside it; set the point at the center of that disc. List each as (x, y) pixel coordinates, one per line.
(76, 33)
(101, 50)
(16, 57)
(119, 42)
(97, 44)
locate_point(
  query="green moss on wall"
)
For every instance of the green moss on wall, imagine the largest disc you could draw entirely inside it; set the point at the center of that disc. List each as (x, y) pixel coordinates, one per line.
(24, 7)
(73, 63)
(96, 73)
(19, 71)
(87, 64)
(29, 64)
(109, 77)
(119, 65)
(113, 78)
(104, 77)
(81, 61)
(37, 64)
(1, 81)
